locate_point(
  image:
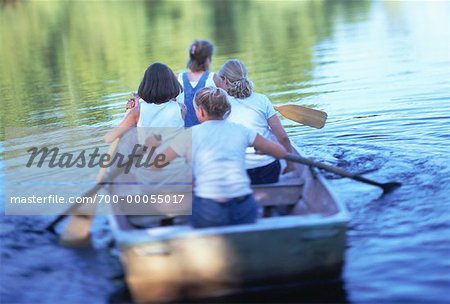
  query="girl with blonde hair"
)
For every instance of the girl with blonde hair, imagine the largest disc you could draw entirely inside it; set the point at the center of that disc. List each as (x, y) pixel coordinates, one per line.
(256, 112)
(216, 150)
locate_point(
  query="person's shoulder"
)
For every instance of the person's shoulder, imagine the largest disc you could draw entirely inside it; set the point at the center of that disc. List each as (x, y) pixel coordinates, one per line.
(180, 76)
(237, 127)
(259, 96)
(210, 80)
(233, 100)
(260, 99)
(242, 131)
(233, 124)
(198, 129)
(174, 103)
(198, 133)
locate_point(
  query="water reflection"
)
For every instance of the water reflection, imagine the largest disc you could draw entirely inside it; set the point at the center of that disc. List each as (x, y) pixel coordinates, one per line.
(61, 61)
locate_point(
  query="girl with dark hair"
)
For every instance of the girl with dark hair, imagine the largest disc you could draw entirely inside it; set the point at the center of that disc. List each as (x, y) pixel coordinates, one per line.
(158, 118)
(216, 150)
(198, 76)
(158, 91)
(255, 111)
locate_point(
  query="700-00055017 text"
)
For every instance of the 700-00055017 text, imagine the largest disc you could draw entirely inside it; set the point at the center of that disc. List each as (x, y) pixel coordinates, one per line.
(100, 199)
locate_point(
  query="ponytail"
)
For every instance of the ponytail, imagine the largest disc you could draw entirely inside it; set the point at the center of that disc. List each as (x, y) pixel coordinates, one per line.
(236, 73)
(199, 53)
(214, 101)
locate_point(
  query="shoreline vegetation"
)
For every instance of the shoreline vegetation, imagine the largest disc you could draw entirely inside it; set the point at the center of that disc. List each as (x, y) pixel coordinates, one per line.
(69, 55)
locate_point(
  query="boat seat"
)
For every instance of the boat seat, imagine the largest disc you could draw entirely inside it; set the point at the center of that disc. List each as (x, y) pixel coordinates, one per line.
(276, 199)
(283, 193)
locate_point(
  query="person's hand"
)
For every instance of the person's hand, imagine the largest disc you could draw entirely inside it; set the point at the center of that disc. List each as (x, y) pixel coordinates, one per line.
(259, 152)
(183, 111)
(133, 101)
(153, 141)
(289, 167)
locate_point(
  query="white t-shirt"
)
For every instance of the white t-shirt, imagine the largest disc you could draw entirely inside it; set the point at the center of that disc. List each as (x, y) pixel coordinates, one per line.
(165, 120)
(253, 113)
(166, 115)
(209, 83)
(217, 153)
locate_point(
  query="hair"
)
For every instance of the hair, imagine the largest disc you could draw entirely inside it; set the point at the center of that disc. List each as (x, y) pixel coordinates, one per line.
(236, 73)
(159, 84)
(199, 53)
(214, 101)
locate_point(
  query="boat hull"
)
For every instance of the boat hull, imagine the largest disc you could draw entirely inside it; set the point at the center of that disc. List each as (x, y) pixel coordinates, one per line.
(179, 262)
(197, 266)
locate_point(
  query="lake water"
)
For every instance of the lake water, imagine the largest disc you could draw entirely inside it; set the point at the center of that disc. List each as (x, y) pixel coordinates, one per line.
(380, 69)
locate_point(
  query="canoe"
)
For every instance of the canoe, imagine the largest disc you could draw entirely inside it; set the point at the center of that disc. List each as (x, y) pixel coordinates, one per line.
(300, 236)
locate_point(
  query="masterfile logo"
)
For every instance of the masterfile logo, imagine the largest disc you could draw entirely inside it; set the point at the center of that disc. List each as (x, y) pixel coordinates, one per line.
(50, 171)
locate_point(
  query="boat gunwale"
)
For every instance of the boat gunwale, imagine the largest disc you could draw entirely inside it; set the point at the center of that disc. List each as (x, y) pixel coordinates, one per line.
(309, 221)
(144, 236)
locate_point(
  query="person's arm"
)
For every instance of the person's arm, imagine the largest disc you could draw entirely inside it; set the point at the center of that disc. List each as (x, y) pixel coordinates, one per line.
(180, 97)
(183, 110)
(266, 146)
(133, 101)
(162, 159)
(129, 121)
(170, 154)
(282, 137)
(178, 147)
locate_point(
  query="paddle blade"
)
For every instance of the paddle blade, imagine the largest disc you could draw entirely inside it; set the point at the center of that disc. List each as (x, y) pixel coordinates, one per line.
(303, 115)
(77, 232)
(389, 187)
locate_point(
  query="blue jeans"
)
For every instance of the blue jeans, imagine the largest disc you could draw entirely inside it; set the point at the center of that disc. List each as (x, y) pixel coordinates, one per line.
(210, 213)
(267, 174)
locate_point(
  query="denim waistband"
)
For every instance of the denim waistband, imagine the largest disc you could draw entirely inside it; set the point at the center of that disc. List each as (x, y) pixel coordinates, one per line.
(237, 199)
(240, 198)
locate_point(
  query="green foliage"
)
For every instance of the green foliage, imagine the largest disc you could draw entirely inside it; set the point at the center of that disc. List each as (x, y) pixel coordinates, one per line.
(74, 63)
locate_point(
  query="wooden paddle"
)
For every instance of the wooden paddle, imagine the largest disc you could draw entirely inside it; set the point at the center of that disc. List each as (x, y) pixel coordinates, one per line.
(387, 187)
(77, 231)
(303, 115)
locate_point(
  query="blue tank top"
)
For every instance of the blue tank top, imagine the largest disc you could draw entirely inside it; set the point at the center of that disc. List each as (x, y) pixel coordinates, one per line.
(189, 93)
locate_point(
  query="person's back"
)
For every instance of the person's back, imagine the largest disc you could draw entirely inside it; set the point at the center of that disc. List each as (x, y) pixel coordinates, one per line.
(154, 105)
(219, 148)
(198, 76)
(164, 119)
(222, 192)
(161, 115)
(155, 113)
(256, 112)
(167, 115)
(253, 112)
